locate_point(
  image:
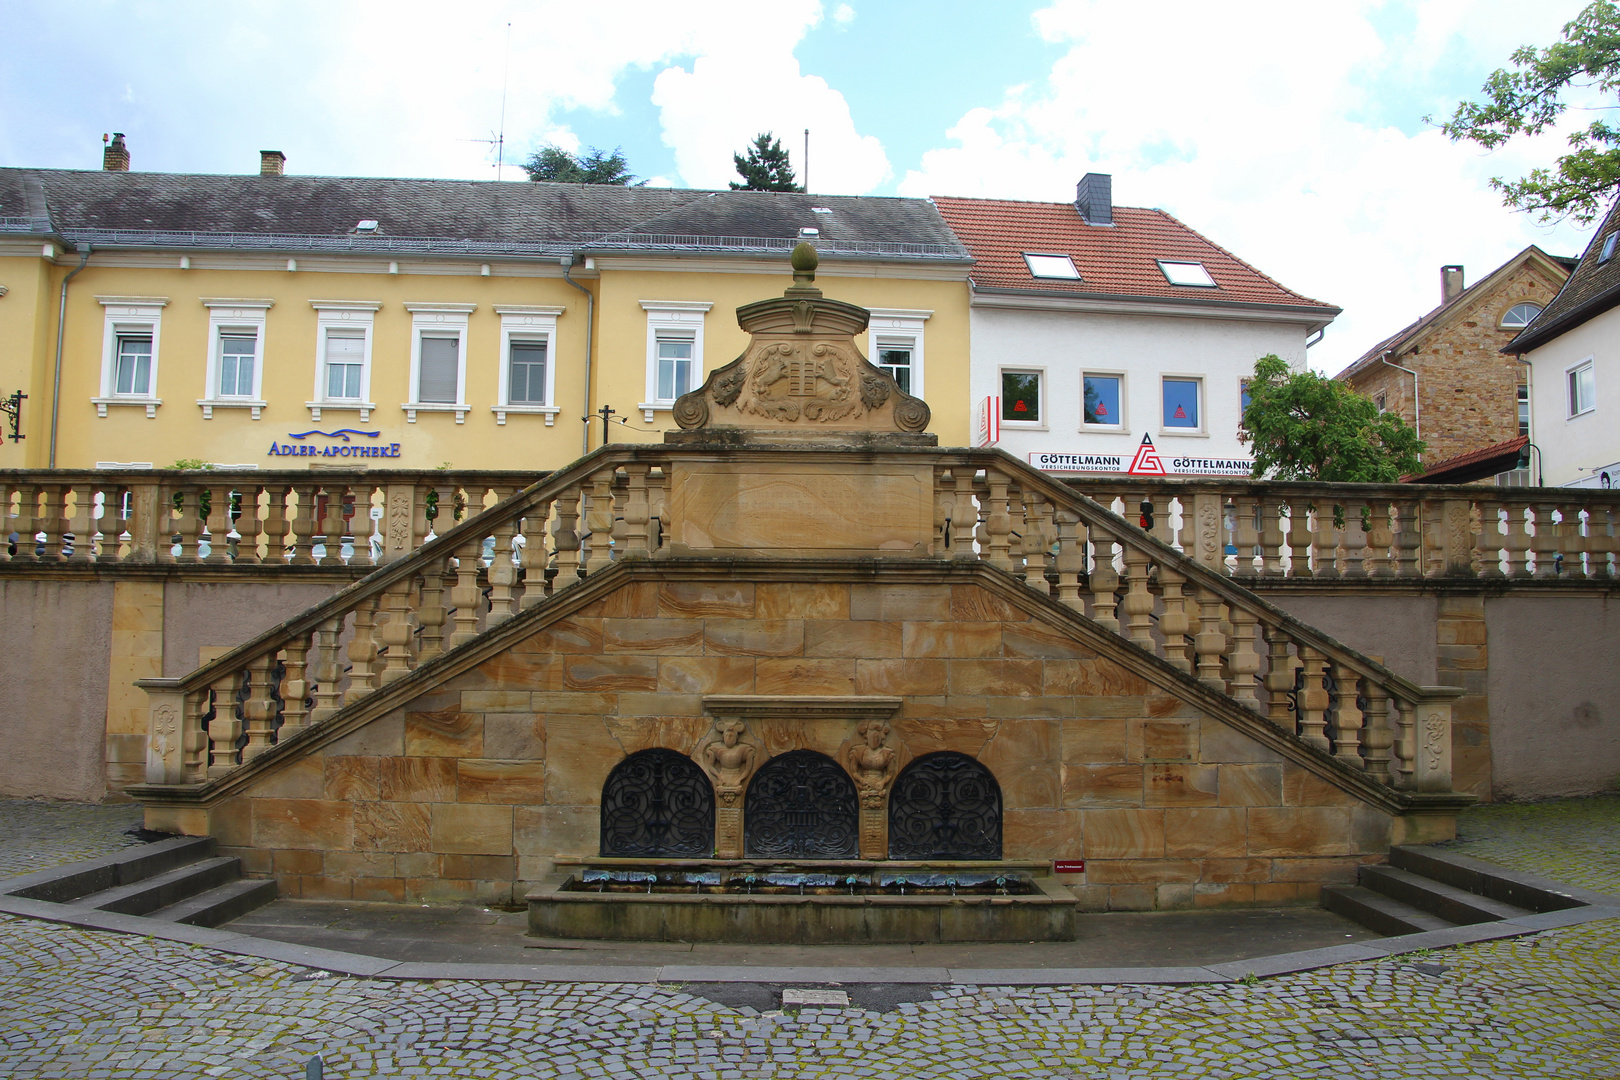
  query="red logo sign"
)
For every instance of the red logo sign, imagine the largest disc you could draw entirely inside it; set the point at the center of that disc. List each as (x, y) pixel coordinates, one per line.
(1146, 462)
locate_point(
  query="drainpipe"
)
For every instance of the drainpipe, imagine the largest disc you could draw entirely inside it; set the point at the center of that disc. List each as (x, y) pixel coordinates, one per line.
(61, 326)
(1417, 403)
(590, 322)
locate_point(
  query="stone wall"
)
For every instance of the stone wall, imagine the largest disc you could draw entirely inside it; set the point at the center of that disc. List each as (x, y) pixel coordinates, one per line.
(471, 791)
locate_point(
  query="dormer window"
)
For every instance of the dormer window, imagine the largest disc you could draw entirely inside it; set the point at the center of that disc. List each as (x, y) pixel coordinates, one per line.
(1186, 273)
(368, 225)
(1059, 267)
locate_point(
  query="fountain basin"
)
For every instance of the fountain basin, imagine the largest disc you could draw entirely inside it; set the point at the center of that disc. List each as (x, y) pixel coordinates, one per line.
(821, 903)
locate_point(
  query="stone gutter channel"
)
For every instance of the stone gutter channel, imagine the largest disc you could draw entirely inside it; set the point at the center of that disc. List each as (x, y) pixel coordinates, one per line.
(1586, 906)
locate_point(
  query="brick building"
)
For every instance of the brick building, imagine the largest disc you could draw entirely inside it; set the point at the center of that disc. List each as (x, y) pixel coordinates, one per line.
(1446, 374)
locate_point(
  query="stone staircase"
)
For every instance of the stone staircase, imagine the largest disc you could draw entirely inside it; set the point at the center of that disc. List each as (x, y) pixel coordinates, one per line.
(1423, 889)
(179, 880)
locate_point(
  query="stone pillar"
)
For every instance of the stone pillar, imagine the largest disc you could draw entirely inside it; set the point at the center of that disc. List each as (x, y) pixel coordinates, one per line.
(1433, 760)
(1463, 662)
(874, 825)
(165, 761)
(728, 824)
(398, 514)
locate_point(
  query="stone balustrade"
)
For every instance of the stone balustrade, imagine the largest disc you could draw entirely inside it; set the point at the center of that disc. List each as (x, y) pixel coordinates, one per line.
(616, 504)
(1329, 532)
(238, 517)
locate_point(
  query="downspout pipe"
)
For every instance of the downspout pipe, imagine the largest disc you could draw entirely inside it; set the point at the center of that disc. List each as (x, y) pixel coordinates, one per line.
(590, 324)
(61, 328)
(1417, 402)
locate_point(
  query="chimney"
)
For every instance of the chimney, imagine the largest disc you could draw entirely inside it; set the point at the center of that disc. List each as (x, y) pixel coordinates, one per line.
(115, 158)
(1451, 283)
(1094, 198)
(272, 163)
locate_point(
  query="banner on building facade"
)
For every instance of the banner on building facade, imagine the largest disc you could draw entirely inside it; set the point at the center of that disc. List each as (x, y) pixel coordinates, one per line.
(1145, 461)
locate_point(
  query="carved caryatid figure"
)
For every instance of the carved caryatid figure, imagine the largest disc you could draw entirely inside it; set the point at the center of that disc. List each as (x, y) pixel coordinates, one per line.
(873, 763)
(727, 759)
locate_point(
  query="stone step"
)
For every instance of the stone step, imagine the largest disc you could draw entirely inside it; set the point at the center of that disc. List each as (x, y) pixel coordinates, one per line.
(1436, 897)
(146, 896)
(1376, 911)
(221, 903)
(67, 884)
(1483, 879)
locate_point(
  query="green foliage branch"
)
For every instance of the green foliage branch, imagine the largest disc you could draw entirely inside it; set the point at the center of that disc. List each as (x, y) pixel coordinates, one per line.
(1305, 426)
(553, 164)
(766, 168)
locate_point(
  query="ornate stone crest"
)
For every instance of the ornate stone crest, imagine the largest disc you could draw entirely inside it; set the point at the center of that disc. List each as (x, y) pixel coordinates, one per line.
(802, 370)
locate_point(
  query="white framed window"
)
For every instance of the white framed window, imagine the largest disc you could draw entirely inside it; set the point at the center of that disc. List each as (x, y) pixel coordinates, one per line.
(131, 333)
(1186, 273)
(896, 336)
(674, 351)
(1023, 397)
(235, 374)
(1520, 315)
(1059, 267)
(1182, 398)
(528, 362)
(1102, 397)
(1582, 388)
(343, 340)
(438, 359)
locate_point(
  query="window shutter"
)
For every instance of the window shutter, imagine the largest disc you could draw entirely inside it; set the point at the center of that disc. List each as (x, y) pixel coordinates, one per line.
(437, 381)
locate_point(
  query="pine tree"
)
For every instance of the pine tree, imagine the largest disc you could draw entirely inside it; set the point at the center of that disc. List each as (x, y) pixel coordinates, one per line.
(554, 164)
(766, 168)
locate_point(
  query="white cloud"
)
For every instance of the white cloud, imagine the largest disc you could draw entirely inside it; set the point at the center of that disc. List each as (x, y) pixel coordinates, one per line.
(1289, 134)
(843, 15)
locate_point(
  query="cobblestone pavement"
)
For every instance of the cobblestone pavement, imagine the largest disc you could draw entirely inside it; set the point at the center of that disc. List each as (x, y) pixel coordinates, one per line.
(84, 1004)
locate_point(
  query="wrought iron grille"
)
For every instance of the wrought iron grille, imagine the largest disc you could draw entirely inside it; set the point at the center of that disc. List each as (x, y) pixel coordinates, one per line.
(657, 803)
(945, 806)
(801, 805)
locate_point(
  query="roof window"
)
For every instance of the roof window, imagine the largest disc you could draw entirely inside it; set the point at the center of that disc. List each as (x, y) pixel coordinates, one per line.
(368, 225)
(1051, 266)
(821, 209)
(1186, 273)
(1608, 248)
(809, 233)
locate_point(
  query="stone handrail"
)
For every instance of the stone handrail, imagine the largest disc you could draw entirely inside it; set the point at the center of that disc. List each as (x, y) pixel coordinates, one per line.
(290, 517)
(614, 504)
(1323, 532)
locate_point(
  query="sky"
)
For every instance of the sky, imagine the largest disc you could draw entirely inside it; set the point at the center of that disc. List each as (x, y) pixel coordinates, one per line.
(1292, 134)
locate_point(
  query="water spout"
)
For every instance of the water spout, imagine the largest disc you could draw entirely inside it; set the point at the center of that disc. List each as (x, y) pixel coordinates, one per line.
(1001, 883)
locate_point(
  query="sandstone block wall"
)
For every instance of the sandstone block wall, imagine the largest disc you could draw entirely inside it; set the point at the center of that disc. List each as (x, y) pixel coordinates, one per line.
(471, 791)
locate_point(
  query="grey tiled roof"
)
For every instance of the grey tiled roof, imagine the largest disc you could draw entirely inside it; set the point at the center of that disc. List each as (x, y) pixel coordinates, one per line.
(1590, 291)
(452, 217)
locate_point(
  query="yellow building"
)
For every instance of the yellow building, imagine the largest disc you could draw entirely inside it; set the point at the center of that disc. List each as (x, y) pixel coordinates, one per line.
(276, 320)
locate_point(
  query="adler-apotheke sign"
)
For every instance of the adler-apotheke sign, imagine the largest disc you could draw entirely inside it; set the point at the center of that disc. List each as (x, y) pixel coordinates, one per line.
(1146, 461)
(343, 445)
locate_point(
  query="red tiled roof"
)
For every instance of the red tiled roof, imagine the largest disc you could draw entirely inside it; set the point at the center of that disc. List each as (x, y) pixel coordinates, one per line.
(1117, 260)
(1474, 465)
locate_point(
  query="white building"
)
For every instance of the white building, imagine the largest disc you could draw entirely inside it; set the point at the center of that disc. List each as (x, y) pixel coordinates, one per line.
(1573, 349)
(1098, 330)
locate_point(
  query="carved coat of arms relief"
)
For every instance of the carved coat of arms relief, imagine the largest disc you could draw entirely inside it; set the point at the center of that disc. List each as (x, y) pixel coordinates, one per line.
(802, 380)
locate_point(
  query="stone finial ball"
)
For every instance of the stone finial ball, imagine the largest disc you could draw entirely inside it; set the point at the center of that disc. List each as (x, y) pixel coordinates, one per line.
(804, 258)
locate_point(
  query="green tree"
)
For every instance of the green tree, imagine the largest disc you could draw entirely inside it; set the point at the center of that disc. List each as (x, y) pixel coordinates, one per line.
(554, 164)
(766, 168)
(1532, 97)
(1306, 426)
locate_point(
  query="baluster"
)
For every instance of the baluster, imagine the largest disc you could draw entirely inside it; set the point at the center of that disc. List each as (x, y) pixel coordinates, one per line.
(566, 537)
(997, 521)
(294, 685)
(1210, 642)
(1406, 742)
(8, 520)
(1071, 559)
(1300, 539)
(1493, 539)
(1324, 543)
(431, 615)
(216, 523)
(465, 596)
(53, 522)
(259, 709)
(1377, 739)
(1346, 716)
(534, 556)
(1244, 511)
(398, 633)
(248, 525)
(1547, 541)
(194, 742)
(1313, 699)
(81, 522)
(657, 509)
(1601, 540)
(1357, 515)
(942, 513)
(964, 514)
(275, 526)
(1575, 544)
(1174, 623)
(1138, 600)
(364, 650)
(328, 670)
(331, 526)
(304, 524)
(1380, 538)
(225, 729)
(636, 512)
(599, 521)
(1280, 680)
(1040, 533)
(1518, 539)
(1245, 661)
(1408, 539)
(502, 575)
(188, 525)
(361, 525)
(25, 523)
(1271, 537)
(1104, 580)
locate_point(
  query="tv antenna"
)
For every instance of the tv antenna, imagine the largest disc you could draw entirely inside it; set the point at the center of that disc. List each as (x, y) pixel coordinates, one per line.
(498, 139)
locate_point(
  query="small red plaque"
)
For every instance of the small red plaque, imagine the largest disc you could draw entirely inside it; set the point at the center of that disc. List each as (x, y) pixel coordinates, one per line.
(1069, 866)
